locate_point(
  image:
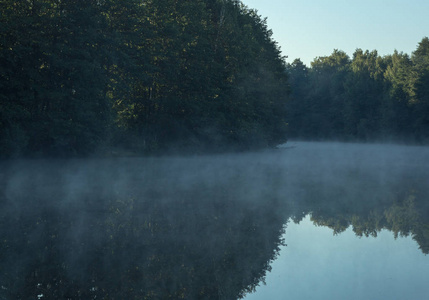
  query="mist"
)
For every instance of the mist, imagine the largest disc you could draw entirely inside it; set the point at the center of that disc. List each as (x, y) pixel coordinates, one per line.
(194, 227)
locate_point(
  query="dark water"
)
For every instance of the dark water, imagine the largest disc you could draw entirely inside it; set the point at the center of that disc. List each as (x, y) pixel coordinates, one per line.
(312, 220)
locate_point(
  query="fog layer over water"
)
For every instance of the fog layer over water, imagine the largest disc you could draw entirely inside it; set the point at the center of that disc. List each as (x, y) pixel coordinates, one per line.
(203, 227)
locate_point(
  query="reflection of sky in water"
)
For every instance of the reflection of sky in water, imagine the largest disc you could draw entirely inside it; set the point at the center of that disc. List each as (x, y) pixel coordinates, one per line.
(318, 265)
(179, 227)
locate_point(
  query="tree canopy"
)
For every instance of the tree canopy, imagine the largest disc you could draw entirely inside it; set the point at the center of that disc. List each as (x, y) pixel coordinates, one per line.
(143, 75)
(367, 97)
(79, 78)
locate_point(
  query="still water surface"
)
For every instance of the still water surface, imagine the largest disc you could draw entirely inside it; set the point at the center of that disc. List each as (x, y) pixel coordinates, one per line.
(315, 264)
(312, 220)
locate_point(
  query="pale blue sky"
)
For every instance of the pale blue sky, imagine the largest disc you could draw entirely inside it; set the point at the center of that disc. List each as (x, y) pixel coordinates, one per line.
(309, 28)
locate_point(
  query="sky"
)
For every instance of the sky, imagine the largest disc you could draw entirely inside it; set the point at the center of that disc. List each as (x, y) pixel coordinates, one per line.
(307, 29)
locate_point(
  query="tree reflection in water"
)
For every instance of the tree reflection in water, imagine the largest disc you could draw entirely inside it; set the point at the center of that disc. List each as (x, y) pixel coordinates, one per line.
(76, 235)
(369, 203)
(185, 228)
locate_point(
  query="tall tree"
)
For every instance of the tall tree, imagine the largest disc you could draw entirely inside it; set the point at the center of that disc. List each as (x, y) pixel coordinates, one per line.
(326, 91)
(151, 76)
(297, 107)
(397, 117)
(363, 94)
(420, 59)
(215, 79)
(54, 79)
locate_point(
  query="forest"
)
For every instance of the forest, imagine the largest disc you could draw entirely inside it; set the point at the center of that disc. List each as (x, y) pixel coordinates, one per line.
(88, 77)
(364, 98)
(109, 77)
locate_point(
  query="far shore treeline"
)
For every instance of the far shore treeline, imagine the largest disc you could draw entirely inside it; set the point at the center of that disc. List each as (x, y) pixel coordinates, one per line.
(109, 77)
(367, 97)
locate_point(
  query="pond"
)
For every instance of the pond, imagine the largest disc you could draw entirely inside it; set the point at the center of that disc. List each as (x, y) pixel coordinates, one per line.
(311, 220)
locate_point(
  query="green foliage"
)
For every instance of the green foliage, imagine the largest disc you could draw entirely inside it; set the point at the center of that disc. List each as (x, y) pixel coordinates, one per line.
(53, 81)
(365, 98)
(420, 59)
(153, 76)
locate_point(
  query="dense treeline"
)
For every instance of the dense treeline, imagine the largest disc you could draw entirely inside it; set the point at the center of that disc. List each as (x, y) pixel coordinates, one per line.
(367, 97)
(149, 76)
